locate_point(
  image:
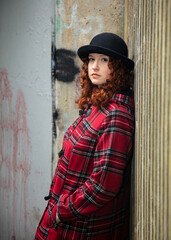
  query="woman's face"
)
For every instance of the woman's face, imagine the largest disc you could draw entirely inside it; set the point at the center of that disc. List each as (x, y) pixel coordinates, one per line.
(98, 70)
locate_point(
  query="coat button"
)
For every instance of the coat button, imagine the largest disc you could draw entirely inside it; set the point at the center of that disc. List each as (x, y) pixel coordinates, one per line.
(88, 112)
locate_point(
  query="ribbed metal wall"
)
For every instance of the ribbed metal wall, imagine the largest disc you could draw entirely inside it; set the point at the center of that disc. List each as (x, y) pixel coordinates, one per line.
(147, 32)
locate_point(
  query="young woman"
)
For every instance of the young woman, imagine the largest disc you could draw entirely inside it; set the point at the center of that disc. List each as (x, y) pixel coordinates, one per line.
(90, 191)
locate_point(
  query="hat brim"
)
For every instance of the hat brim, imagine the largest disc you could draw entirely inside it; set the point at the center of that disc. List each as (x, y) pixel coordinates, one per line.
(84, 51)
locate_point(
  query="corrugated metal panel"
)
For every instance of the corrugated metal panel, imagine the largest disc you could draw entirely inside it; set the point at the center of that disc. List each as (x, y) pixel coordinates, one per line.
(147, 32)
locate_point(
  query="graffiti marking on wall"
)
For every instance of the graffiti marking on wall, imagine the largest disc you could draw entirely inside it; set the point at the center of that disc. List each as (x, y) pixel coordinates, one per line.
(65, 67)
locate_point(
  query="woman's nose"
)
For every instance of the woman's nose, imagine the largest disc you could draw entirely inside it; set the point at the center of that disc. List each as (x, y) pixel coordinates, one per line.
(95, 64)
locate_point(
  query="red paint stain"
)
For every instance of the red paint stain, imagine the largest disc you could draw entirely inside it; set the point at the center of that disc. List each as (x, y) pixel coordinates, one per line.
(21, 161)
(15, 148)
(6, 122)
(6, 136)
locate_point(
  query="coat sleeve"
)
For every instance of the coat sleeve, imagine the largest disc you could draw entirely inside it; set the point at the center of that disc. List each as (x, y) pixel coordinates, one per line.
(111, 156)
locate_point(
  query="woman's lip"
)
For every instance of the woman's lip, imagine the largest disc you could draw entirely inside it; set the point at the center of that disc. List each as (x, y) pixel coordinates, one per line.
(95, 75)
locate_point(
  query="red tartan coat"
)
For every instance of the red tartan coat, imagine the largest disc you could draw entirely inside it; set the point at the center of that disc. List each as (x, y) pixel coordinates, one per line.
(90, 189)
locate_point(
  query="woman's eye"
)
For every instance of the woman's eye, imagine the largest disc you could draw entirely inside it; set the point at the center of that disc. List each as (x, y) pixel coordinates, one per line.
(104, 59)
(91, 59)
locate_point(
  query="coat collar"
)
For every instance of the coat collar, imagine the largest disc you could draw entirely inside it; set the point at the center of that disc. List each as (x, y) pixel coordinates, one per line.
(123, 98)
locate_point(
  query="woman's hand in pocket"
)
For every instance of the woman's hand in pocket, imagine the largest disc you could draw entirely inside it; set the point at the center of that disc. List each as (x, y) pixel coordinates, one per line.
(57, 219)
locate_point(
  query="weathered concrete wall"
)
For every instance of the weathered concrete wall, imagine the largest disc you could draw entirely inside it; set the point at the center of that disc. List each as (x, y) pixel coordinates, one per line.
(147, 31)
(25, 115)
(76, 23)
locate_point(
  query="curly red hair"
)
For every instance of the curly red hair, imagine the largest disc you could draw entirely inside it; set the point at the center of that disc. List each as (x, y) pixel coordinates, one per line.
(120, 78)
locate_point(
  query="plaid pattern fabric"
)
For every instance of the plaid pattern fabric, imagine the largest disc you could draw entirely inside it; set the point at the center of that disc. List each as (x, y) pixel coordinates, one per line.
(90, 188)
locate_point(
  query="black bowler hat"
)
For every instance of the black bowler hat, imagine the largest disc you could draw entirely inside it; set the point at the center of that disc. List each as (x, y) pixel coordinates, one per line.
(108, 44)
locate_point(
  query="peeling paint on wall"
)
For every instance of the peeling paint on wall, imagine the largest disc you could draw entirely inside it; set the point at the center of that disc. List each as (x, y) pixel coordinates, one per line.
(76, 19)
(15, 164)
(73, 21)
